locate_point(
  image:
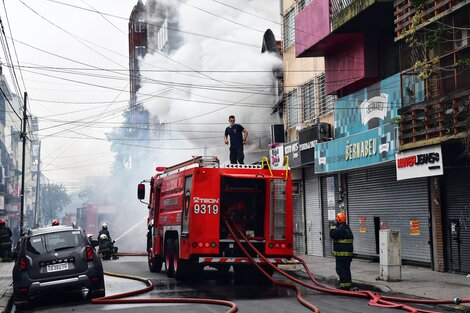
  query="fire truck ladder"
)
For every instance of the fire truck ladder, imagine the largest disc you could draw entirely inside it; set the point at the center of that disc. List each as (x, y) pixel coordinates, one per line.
(196, 161)
(285, 161)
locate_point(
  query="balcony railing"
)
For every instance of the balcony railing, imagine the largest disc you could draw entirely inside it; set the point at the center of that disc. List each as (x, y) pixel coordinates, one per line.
(433, 9)
(434, 121)
(337, 6)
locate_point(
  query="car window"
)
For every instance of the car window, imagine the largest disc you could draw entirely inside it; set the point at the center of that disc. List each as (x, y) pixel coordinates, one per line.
(51, 242)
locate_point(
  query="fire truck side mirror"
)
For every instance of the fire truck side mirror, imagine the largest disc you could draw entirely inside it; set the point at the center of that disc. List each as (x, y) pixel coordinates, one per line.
(141, 191)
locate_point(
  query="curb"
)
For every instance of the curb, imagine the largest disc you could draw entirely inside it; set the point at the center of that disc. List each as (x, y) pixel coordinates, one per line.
(332, 281)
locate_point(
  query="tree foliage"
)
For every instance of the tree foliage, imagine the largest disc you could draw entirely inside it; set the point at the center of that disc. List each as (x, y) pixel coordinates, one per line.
(54, 198)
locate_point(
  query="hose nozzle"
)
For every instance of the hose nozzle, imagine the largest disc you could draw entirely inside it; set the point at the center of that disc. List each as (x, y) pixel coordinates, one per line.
(457, 300)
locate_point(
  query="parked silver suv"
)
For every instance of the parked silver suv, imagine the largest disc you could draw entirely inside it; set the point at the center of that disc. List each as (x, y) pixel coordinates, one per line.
(56, 258)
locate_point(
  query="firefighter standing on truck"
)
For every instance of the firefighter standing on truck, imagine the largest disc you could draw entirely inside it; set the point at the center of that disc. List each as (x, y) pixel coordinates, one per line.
(238, 135)
(342, 249)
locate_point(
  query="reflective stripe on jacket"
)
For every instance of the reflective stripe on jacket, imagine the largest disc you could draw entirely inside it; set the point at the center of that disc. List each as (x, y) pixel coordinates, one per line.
(342, 240)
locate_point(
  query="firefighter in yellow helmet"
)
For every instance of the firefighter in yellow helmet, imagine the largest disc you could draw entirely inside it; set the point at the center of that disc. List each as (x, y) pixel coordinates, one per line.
(342, 249)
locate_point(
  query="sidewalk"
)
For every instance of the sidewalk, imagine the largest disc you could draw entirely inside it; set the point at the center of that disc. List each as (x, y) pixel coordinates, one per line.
(416, 281)
(6, 289)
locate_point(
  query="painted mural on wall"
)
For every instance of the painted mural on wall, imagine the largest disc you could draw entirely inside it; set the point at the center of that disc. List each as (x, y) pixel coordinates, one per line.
(364, 132)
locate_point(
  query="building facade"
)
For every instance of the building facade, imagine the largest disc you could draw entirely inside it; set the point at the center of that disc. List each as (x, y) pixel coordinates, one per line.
(398, 153)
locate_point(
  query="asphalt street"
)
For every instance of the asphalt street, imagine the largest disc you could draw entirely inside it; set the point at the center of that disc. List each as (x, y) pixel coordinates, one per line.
(249, 298)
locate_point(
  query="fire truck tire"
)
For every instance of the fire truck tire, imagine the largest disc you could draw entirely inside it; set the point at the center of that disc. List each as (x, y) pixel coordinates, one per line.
(181, 267)
(169, 257)
(155, 264)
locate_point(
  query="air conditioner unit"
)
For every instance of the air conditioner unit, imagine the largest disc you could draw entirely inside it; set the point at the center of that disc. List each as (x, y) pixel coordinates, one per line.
(324, 132)
(461, 37)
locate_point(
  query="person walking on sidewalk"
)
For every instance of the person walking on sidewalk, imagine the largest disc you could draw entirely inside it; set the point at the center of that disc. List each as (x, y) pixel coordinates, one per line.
(342, 250)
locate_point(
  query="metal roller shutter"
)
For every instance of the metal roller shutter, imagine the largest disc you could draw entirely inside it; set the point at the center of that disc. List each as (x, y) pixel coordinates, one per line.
(327, 244)
(313, 214)
(299, 224)
(375, 192)
(457, 204)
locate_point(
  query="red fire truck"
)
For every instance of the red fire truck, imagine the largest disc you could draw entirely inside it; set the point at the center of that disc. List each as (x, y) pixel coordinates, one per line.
(189, 202)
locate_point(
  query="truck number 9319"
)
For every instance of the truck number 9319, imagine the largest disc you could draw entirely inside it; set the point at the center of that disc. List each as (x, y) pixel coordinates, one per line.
(206, 209)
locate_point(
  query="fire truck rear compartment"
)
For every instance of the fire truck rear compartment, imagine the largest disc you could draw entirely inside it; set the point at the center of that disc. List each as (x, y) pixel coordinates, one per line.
(243, 202)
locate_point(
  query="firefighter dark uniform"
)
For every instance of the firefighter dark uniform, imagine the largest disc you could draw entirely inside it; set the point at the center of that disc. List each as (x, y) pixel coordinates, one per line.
(343, 250)
(5, 241)
(104, 230)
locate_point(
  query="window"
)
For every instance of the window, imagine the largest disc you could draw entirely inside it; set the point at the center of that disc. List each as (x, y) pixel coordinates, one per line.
(54, 242)
(292, 109)
(303, 3)
(308, 100)
(140, 51)
(289, 29)
(327, 102)
(140, 26)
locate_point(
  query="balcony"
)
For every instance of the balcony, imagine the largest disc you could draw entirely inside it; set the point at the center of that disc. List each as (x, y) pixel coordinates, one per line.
(434, 121)
(433, 10)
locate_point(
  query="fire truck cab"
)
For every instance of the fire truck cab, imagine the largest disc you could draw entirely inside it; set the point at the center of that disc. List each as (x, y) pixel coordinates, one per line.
(187, 207)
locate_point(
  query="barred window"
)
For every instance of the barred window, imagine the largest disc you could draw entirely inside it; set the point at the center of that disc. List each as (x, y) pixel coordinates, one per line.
(303, 3)
(292, 109)
(289, 28)
(327, 102)
(308, 100)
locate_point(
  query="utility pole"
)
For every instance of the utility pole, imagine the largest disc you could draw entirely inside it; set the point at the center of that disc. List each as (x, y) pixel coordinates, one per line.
(23, 161)
(38, 178)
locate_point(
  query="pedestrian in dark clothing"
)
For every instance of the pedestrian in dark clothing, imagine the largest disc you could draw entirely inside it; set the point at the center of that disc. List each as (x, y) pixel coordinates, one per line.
(343, 250)
(237, 134)
(5, 241)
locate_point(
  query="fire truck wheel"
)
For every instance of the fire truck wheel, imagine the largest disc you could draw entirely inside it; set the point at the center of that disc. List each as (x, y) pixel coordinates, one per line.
(181, 267)
(155, 264)
(169, 257)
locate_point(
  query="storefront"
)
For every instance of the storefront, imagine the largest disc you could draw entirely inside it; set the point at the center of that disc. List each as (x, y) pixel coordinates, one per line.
(359, 175)
(456, 209)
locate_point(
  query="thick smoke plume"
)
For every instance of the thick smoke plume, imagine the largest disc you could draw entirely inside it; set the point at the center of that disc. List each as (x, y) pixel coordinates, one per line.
(192, 88)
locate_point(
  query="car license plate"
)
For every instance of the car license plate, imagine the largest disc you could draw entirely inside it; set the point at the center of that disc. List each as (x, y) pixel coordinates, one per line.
(57, 267)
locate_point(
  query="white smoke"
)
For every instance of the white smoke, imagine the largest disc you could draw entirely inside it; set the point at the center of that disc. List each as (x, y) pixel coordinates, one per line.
(191, 92)
(211, 77)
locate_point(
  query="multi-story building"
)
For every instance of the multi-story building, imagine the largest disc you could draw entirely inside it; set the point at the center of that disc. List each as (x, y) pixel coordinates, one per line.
(307, 107)
(11, 145)
(153, 29)
(398, 157)
(434, 39)
(356, 169)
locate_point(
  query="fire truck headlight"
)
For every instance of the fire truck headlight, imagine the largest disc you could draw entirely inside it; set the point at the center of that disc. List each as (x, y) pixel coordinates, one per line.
(206, 245)
(194, 244)
(200, 245)
(271, 245)
(283, 245)
(213, 244)
(289, 245)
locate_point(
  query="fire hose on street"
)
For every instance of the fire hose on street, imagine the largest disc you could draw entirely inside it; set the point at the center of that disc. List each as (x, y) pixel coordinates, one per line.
(123, 298)
(376, 299)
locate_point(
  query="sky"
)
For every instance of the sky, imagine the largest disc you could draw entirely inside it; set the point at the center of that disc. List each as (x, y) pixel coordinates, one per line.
(73, 63)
